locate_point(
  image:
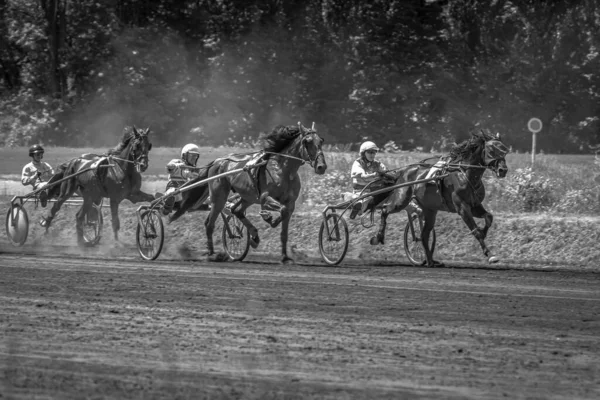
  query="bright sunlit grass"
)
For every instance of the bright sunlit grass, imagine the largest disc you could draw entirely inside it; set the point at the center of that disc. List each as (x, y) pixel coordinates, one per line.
(569, 178)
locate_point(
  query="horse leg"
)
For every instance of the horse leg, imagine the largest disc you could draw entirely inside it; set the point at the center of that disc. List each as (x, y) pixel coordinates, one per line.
(209, 224)
(379, 238)
(65, 193)
(285, 223)
(267, 203)
(397, 201)
(429, 217)
(80, 219)
(240, 213)
(137, 196)
(480, 212)
(114, 214)
(464, 210)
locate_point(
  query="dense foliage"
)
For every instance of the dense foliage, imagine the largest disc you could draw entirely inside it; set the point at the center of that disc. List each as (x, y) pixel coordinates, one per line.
(420, 73)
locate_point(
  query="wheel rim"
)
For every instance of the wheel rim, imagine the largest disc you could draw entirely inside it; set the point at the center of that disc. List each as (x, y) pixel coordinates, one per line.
(235, 240)
(150, 235)
(414, 247)
(92, 228)
(17, 225)
(333, 245)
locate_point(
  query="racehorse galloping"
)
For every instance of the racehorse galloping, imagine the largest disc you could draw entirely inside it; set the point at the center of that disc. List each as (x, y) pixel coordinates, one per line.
(461, 192)
(122, 180)
(276, 188)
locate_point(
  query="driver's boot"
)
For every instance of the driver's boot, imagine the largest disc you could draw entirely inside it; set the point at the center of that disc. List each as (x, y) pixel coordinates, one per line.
(169, 204)
(43, 196)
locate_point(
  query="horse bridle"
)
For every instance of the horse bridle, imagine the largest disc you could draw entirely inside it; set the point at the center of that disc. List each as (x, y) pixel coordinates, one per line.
(311, 161)
(143, 157)
(137, 160)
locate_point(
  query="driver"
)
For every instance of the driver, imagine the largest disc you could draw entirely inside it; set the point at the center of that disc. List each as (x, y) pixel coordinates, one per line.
(180, 171)
(37, 172)
(365, 170)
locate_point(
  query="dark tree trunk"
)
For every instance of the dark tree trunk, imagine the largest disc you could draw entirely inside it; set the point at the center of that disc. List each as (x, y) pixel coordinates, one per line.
(55, 14)
(9, 69)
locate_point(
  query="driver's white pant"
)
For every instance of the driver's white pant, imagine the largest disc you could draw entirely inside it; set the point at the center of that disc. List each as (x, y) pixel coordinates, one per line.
(39, 185)
(177, 197)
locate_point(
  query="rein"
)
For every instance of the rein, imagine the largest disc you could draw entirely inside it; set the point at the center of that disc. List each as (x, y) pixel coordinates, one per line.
(136, 163)
(468, 166)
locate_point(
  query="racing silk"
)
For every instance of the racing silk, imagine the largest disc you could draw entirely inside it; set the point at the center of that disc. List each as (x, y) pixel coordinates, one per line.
(29, 176)
(180, 172)
(364, 172)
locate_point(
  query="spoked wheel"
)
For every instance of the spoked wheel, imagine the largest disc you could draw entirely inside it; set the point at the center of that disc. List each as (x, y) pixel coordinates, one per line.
(17, 225)
(333, 239)
(235, 237)
(413, 245)
(92, 226)
(150, 235)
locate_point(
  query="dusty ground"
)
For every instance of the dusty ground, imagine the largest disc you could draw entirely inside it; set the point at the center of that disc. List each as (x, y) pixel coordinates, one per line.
(121, 328)
(100, 323)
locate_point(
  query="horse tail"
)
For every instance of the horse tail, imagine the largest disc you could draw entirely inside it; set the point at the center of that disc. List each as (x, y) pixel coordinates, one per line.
(67, 169)
(54, 190)
(194, 195)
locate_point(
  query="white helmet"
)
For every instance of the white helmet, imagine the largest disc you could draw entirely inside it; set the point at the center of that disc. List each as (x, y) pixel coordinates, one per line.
(189, 148)
(368, 145)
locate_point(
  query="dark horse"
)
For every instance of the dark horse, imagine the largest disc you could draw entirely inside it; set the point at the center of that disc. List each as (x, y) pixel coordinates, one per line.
(461, 192)
(116, 176)
(276, 187)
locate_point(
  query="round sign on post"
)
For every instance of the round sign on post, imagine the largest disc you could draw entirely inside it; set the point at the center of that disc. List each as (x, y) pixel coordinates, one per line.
(534, 125)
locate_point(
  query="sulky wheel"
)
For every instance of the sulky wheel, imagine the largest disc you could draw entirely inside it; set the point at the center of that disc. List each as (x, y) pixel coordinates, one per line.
(92, 226)
(236, 240)
(17, 225)
(413, 246)
(150, 235)
(333, 239)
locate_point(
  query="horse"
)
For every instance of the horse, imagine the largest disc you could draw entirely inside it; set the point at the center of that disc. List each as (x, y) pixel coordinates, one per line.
(116, 176)
(275, 185)
(461, 191)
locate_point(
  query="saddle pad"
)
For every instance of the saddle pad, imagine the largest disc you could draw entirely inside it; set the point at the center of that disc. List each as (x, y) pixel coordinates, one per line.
(436, 169)
(238, 157)
(99, 161)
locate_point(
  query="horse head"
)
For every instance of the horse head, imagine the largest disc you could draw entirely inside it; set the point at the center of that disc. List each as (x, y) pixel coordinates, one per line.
(494, 153)
(140, 148)
(311, 149)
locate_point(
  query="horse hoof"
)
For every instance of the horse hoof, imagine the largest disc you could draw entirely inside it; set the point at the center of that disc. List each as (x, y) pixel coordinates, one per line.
(287, 261)
(266, 216)
(218, 257)
(254, 242)
(45, 222)
(436, 264)
(375, 240)
(493, 260)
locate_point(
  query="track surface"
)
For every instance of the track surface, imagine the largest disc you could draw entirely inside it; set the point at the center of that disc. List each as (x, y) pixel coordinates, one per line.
(75, 327)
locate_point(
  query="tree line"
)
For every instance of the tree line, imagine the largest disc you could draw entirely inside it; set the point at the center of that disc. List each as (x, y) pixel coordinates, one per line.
(422, 73)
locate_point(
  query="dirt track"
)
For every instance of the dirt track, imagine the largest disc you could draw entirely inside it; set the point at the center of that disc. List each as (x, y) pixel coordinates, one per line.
(105, 328)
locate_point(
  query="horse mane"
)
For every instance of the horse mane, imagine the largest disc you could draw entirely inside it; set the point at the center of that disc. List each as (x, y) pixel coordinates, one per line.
(280, 137)
(127, 136)
(464, 150)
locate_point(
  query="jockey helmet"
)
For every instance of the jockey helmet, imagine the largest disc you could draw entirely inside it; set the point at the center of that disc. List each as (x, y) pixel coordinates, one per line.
(188, 149)
(36, 148)
(368, 145)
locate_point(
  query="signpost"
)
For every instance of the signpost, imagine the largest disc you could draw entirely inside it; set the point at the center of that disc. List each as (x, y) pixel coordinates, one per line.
(534, 125)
